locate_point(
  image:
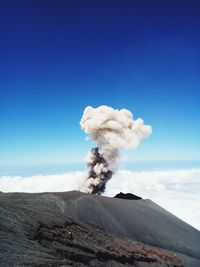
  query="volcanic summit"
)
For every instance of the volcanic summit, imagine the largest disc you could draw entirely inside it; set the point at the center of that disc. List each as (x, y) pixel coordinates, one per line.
(79, 229)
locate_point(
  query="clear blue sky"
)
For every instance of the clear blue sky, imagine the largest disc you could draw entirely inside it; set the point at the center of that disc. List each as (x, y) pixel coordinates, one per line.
(56, 57)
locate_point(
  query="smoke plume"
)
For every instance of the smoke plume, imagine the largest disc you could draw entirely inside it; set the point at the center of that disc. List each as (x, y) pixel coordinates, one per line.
(112, 130)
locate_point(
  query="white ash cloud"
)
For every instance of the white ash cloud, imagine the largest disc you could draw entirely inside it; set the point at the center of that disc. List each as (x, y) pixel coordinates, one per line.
(112, 130)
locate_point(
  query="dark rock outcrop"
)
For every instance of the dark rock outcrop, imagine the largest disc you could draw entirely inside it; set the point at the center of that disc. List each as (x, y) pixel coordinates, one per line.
(127, 196)
(52, 229)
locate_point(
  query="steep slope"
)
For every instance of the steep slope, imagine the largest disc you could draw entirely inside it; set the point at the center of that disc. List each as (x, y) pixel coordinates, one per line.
(140, 220)
(68, 229)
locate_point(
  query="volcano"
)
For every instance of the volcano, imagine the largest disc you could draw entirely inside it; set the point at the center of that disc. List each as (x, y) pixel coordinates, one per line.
(79, 229)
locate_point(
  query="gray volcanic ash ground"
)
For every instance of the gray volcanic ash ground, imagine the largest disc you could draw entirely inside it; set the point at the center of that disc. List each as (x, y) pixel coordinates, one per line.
(77, 229)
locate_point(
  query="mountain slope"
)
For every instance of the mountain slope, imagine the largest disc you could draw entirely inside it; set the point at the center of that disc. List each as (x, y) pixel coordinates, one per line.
(141, 220)
(76, 229)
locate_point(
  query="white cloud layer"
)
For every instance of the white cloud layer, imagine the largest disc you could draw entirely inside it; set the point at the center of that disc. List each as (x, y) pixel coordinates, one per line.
(177, 191)
(43, 183)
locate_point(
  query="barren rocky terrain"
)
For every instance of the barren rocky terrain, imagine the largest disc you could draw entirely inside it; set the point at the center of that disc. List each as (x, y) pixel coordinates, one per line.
(76, 229)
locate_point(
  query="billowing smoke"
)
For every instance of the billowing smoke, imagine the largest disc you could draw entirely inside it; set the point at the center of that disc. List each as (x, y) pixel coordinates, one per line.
(112, 130)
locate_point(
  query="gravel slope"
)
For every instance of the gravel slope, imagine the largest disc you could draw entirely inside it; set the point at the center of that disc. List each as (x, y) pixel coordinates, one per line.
(76, 229)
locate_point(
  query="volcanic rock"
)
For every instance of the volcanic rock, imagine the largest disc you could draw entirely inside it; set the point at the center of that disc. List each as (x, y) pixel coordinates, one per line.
(127, 196)
(76, 229)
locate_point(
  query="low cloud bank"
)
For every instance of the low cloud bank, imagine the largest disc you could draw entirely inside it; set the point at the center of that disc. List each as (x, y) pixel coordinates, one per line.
(177, 191)
(43, 183)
